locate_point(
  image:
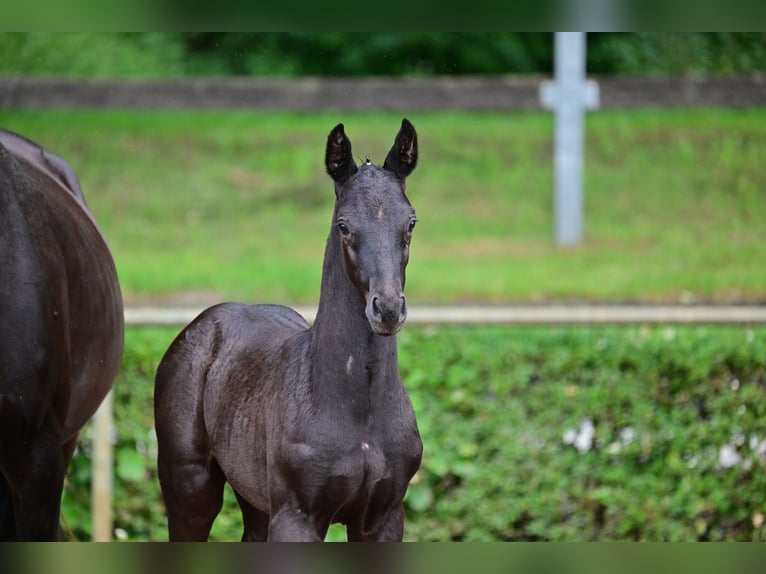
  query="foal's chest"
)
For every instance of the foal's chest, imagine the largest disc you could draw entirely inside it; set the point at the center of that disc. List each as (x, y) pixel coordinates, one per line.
(345, 471)
(366, 471)
(366, 457)
(359, 448)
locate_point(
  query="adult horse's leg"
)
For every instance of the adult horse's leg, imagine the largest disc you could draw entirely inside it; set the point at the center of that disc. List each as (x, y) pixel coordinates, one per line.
(256, 522)
(7, 521)
(35, 471)
(68, 452)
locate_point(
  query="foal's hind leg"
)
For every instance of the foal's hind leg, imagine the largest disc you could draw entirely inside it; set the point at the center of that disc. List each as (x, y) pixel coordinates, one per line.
(193, 494)
(256, 522)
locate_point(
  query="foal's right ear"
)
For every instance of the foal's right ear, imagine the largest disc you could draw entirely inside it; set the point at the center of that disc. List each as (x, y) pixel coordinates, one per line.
(338, 160)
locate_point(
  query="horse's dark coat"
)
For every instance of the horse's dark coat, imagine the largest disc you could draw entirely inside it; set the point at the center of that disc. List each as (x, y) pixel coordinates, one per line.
(61, 331)
(309, 425)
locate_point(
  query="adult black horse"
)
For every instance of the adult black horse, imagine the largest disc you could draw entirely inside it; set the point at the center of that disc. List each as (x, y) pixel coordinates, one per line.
(61, 331)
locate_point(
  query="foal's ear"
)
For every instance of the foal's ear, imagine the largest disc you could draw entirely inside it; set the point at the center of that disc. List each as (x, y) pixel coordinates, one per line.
(403, 156)
(338, 160)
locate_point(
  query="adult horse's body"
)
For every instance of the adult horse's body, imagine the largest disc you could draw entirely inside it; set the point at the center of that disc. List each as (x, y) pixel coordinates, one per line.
(61, 331)
(309, 425)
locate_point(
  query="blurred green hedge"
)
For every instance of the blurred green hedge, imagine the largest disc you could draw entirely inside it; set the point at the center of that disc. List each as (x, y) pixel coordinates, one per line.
(158, 55)
(564, 434)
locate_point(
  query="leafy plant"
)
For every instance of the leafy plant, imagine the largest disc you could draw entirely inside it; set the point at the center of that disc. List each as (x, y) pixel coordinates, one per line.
(531, 433)
(158, 55)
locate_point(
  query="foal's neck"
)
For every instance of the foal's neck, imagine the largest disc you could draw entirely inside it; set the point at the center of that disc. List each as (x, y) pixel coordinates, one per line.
(344, 349)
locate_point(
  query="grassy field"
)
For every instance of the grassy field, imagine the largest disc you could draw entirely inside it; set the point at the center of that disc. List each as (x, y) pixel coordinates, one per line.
(236, 205)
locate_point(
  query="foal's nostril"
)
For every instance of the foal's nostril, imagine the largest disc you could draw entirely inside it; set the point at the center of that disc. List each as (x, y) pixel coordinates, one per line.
(386, 313)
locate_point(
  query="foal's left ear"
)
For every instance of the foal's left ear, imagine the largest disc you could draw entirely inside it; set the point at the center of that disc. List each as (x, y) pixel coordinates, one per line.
(338, 160)
(403, 156)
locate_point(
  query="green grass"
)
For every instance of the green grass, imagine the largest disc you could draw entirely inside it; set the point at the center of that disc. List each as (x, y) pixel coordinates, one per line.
(236, 205)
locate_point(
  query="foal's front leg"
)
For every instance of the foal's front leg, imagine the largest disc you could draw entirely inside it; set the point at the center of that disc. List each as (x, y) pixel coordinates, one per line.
(291, 524)
(392, 529)
(256, 523)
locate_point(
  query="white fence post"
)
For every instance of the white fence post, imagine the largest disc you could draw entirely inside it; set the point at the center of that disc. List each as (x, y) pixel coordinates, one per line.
(569, 95)
(102, 478)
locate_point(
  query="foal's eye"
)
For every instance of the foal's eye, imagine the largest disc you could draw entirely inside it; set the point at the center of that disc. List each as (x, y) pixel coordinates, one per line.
(411, 228)
(343, 228)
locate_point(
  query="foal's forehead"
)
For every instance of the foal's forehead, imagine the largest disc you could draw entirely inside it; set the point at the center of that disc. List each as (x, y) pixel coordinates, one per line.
(373, 185)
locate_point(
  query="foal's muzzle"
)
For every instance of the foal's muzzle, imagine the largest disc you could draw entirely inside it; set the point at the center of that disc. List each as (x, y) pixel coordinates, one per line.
(386, 313)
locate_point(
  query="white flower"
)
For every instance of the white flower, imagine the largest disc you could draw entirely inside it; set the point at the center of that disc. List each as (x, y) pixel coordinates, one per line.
(758, 446)
(693, 462)
(627, 435)
(728, 456)
(581, 439)
(584, 439)
(120, 534)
